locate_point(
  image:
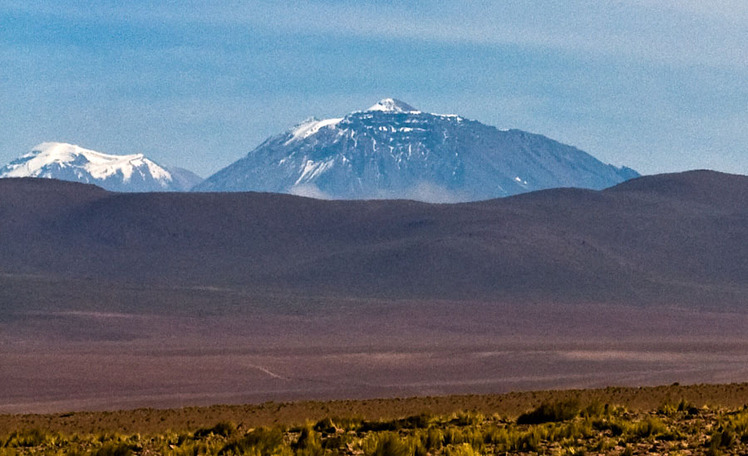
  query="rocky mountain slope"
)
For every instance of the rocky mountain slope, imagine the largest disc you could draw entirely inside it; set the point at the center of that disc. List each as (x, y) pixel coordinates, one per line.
(394, 151)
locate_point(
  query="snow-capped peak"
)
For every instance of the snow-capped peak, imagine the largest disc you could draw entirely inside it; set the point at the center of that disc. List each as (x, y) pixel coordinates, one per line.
(97, 164)
(392, 150)
(70, 162)
(393, 105)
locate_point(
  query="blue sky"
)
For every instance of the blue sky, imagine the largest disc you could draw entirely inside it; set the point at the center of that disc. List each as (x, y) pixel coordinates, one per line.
(658, 85)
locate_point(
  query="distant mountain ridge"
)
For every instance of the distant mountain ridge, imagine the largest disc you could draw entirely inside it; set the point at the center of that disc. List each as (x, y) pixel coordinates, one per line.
(394, 151)
(122, 173)
(656, 240)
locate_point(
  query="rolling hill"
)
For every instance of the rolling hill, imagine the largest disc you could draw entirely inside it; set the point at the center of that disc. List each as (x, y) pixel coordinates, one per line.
(667, 238)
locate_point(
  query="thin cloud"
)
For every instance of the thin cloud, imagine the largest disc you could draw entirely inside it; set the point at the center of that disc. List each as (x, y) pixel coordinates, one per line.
(680, 33)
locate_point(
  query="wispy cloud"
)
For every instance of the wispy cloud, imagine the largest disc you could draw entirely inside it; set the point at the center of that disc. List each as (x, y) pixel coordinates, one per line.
(682, 32)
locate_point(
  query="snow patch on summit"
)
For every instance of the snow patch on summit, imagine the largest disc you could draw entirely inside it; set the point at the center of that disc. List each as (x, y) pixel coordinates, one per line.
(310, 127)
(70, 162)
(97, 164)
(393, 105)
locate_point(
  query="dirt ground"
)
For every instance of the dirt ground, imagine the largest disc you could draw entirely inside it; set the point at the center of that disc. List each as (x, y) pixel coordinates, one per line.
(59, 362)
(643, 399)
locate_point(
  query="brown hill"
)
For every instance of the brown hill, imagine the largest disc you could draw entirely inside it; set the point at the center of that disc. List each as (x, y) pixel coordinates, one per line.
(660, 239)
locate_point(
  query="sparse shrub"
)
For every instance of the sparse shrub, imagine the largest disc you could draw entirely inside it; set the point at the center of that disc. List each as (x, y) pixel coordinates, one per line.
(551, 412)
(224, 429)
(685, 406)
(460, 450)
(496, 436)
(116, 449)
(572, 430)
(738, 424)
(721, 439)
(595, 430)
(378, 426)
(594, 409)
(604, 446)
(325, 425)
(529, 441)
(345, 423)
(385, 444)
(421, 421)
(468, 418)
(608, 425)
(262, 440)
(453, 436)
(671, 408)
(434, 439)
(649, 428)
(308, 443)
(29, 438)
(420, 450)
(667, 409)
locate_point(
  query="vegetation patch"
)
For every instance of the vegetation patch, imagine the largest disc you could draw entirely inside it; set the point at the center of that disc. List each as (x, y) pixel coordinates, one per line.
(555, 428)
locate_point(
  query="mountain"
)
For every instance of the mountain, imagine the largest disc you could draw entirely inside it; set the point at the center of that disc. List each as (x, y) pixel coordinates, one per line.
(394, 151)
(653, 240)
(183, 179)
(120, 173)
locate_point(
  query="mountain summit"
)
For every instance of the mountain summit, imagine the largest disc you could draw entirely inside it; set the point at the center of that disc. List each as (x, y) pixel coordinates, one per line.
(394, 151)
(122, 173)
(393, 105)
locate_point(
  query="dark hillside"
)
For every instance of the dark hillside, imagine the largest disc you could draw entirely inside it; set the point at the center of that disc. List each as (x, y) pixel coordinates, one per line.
(659, 239)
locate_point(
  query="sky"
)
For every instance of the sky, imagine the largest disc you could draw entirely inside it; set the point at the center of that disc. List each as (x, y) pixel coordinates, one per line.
(656, 85)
